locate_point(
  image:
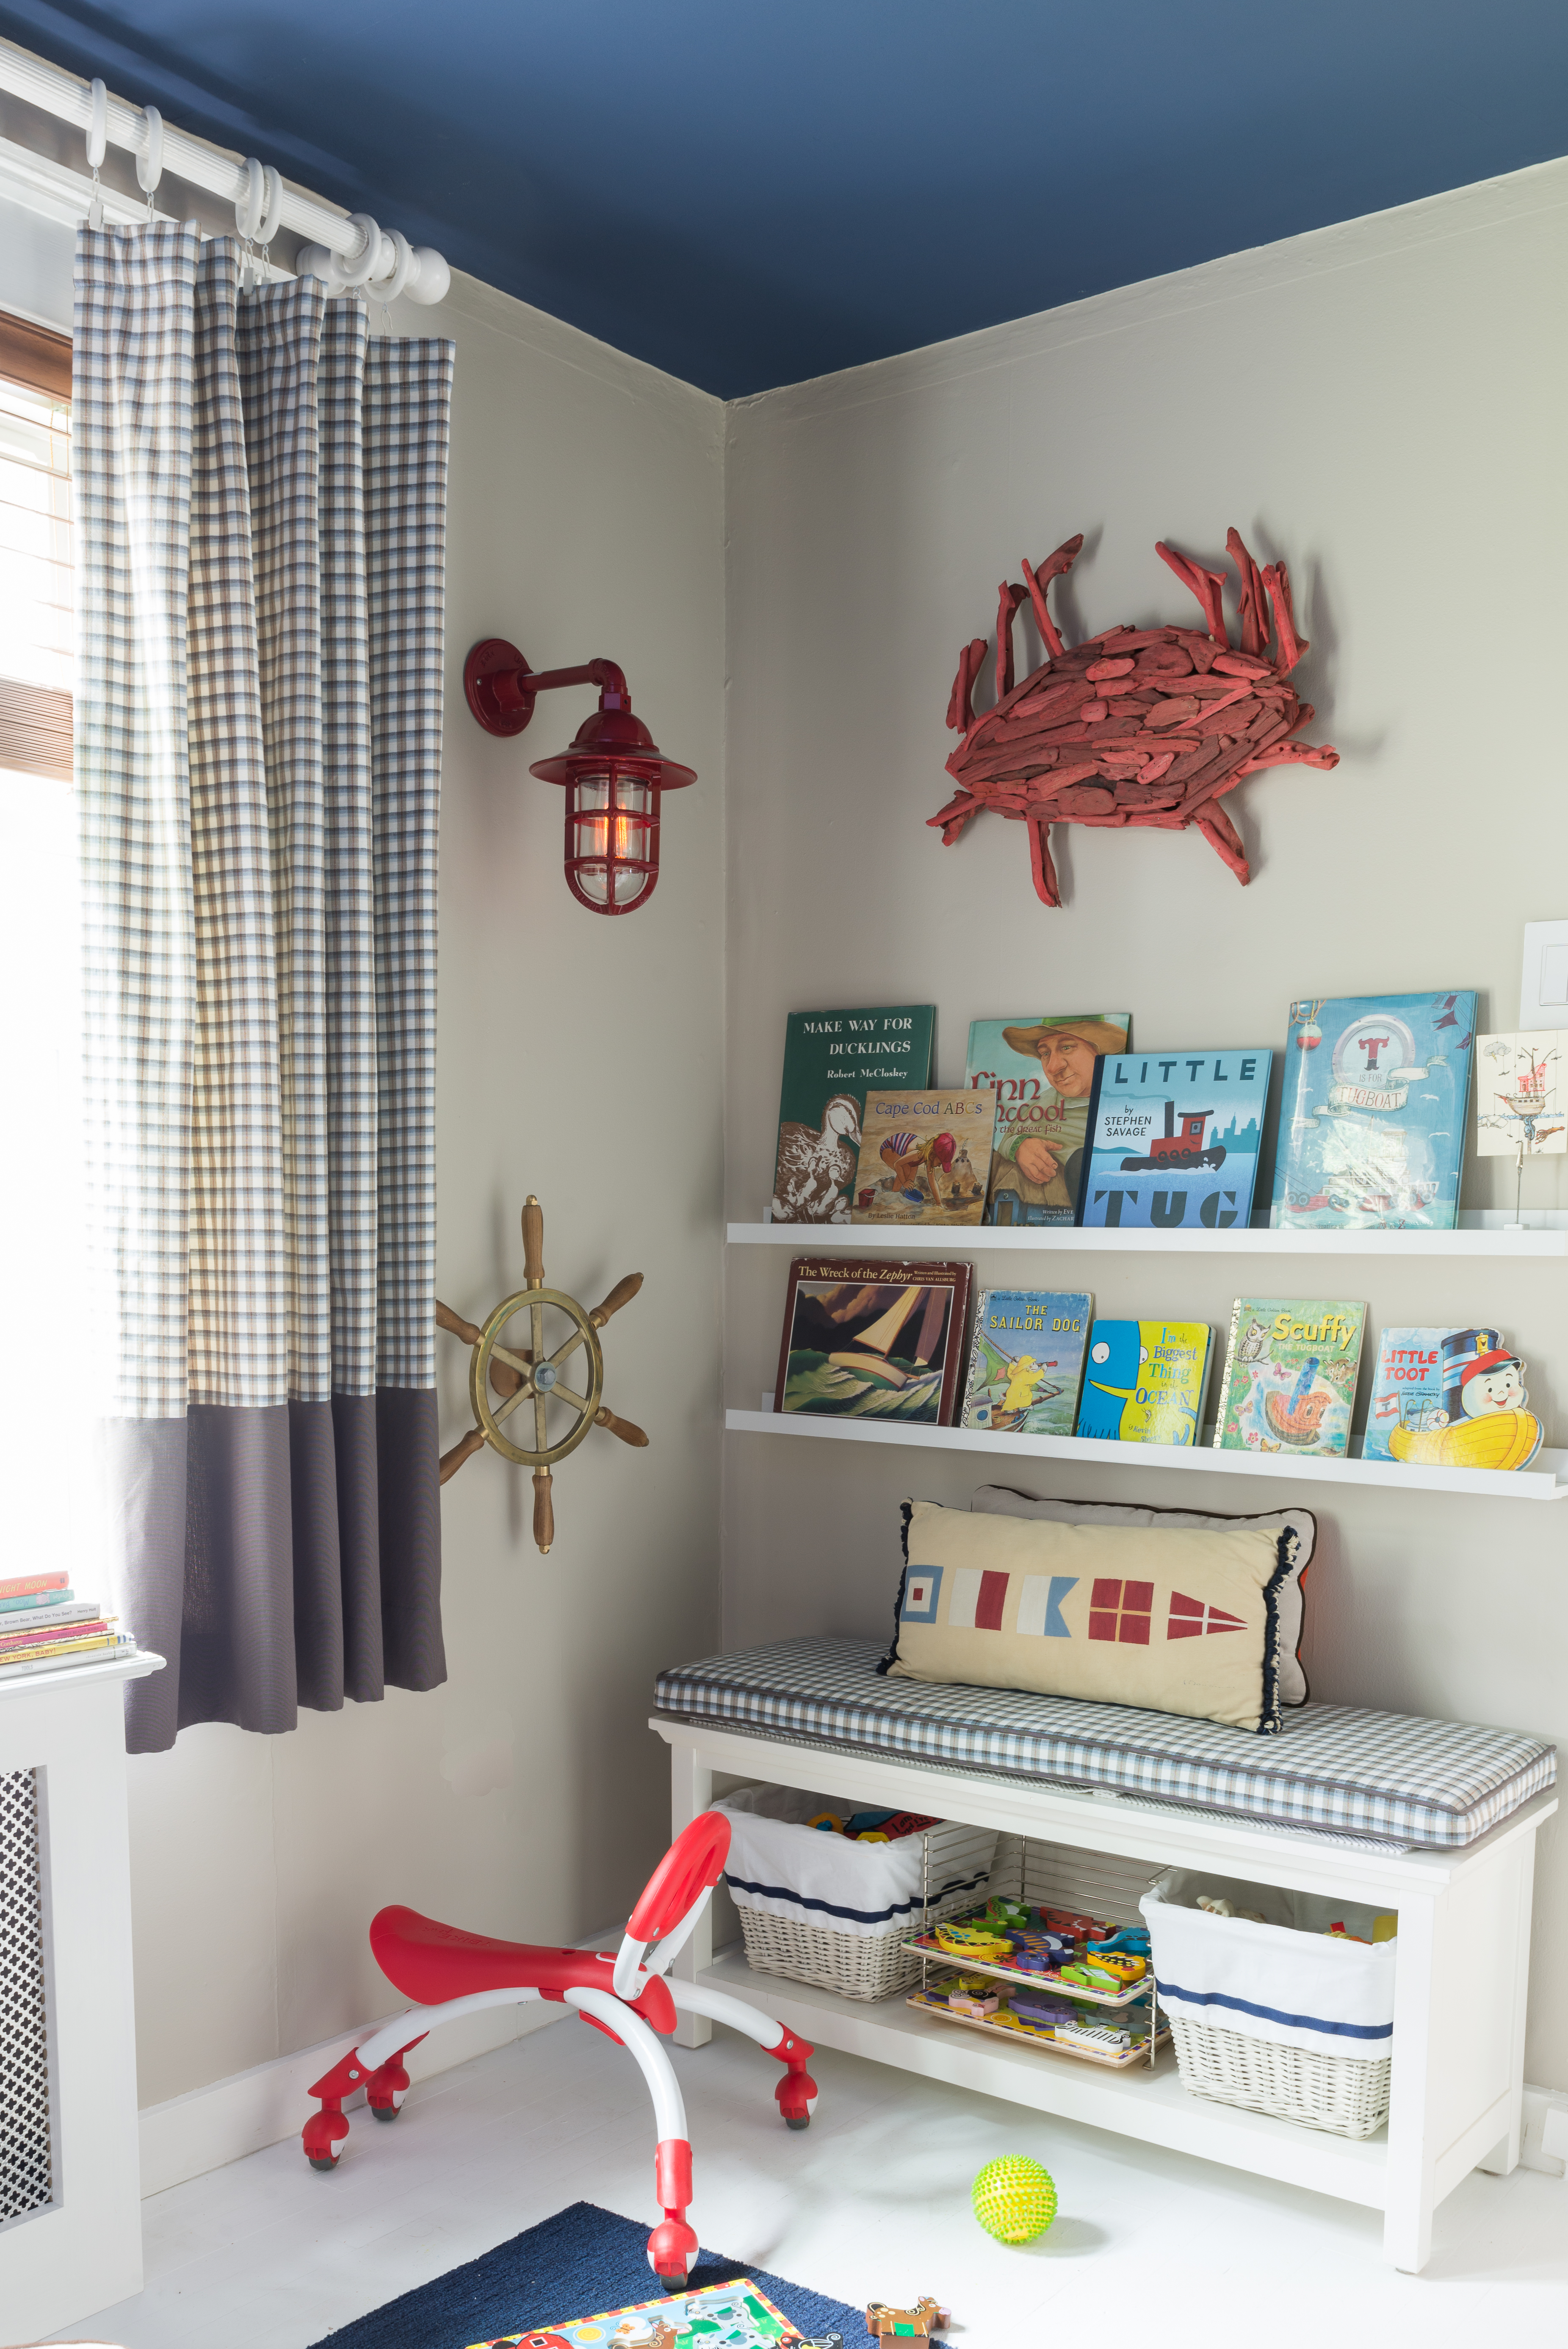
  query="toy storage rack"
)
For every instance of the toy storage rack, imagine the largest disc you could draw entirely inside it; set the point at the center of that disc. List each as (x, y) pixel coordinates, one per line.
(1054, 1876)
(1464, 1917)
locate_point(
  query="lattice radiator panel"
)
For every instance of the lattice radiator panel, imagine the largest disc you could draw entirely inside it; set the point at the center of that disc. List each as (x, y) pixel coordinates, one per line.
(26, 2147)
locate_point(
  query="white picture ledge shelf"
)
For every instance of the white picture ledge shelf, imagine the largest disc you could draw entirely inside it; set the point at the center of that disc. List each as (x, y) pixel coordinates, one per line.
(1547, 1236)
(1545, 1480)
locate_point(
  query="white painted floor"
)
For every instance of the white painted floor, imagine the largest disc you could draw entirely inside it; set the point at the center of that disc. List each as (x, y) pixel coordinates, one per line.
(871, 2202)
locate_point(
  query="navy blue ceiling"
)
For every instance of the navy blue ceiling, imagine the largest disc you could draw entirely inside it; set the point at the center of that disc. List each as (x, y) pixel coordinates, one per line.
(751, 192)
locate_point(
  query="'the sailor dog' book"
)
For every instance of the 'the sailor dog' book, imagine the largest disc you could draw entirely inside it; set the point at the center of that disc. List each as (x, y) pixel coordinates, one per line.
(1043, 1069)
(924, 1157)
(1372, 1123)
(1290, 1376)
(1026, 1361)
(1173, 1140)
(1144, 1382)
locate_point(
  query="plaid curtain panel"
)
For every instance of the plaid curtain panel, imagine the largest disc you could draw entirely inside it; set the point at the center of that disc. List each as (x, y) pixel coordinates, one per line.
(261, 580)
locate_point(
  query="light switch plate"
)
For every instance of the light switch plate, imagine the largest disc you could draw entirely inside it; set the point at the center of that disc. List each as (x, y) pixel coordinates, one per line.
(1544, 986)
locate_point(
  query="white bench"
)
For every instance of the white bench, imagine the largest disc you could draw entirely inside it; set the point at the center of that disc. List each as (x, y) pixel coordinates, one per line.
(1461, 1978)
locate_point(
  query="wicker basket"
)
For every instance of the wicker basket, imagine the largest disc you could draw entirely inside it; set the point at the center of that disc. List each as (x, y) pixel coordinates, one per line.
(1347, 2095)
(867, 1965)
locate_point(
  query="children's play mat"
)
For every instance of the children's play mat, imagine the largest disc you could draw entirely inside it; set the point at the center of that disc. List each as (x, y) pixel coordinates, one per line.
(720, 2316)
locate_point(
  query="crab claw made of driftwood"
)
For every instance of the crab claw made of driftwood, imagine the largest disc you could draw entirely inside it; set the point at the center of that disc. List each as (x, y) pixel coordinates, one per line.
(1136, 726)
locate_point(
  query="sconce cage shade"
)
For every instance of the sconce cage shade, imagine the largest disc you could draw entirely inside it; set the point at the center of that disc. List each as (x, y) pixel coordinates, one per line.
(615, 778)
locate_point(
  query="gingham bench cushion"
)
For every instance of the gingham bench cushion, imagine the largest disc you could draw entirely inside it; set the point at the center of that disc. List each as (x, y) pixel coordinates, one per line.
(1334, 1767)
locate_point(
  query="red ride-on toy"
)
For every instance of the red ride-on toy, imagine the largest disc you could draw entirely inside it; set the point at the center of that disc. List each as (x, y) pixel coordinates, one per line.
(625, 1996)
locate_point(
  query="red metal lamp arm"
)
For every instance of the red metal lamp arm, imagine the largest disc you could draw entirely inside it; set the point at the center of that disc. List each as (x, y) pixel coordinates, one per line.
(501, 686)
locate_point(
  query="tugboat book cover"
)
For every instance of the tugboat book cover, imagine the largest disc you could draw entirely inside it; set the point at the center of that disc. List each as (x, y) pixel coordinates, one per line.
(1174, 1139)
(1372, 1127)
(870, 1339)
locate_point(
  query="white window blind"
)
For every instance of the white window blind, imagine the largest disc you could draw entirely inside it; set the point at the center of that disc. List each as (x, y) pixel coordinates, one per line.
(36, 585)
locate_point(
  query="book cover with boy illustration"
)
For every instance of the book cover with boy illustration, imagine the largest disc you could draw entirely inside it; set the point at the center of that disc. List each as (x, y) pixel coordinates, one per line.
(872, 1338)
(1043, 1071)
(1173, 1140)
(1144, 1382)
(924, 1157)
(830, 1060)
(1372, 1123)
(1026, 1361)
(1290, 1376)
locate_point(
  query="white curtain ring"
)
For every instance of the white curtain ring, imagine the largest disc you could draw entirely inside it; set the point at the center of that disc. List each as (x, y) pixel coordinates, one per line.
(386, 289)
(272, 208)
(248, 208)
(355, 271)
(97, 127)
(149, 162)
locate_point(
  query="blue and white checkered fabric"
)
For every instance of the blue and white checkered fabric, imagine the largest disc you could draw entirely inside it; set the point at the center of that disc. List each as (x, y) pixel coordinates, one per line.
(1335, 1767)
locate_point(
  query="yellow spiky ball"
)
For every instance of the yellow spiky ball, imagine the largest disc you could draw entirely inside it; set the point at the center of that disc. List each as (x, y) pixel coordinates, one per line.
(1014, 2199)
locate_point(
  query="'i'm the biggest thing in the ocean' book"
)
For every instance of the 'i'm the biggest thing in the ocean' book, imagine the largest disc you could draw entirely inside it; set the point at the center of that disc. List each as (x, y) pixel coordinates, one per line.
(1372, 1122)
(1173, 1140)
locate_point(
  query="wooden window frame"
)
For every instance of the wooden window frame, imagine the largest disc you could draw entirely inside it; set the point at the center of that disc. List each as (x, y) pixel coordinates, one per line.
(36, 721)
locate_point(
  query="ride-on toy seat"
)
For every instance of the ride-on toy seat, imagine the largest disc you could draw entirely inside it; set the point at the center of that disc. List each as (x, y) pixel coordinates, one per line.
(625, 1996)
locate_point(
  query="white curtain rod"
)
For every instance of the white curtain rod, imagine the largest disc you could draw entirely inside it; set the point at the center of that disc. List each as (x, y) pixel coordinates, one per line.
(344, 250)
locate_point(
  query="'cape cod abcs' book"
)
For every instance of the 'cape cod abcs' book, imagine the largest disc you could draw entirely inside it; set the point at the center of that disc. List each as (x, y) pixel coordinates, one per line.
(1173, 1140)
(1372, 1124)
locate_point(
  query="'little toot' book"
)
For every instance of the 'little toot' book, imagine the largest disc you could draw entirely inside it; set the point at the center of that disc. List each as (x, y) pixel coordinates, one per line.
(1372, 1123)
(1472, 1411)
(1144, 1382)
(1407, 1388)
(1290, 1376)
(1025, 1362)
(1173, 1140)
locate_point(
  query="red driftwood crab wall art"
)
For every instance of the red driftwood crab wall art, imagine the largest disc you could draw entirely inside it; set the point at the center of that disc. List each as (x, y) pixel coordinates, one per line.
(1138, 725)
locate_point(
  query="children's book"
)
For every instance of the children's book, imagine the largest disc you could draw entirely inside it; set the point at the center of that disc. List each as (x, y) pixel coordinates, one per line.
(1026, 1361)
(1519, 1098)
(830, 1060)
(1144, 1382)
(1043, 1069)
(737, 2315)
(1173, 1140)
(1407, 1388)
(1462, 1401)
(872, 1338)
(1290, 1376)
(1372, 1123)
(924, 1157)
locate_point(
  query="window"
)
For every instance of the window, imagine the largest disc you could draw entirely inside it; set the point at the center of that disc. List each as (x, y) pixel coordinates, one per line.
(36, 590)
(46, 1485)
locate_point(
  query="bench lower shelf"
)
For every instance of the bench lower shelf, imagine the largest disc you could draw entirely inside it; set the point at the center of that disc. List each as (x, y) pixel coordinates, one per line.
(1142, 2101)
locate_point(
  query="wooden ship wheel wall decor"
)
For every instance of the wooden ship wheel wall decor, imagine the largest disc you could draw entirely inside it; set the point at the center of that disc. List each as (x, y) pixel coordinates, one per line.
(1136, 726)
(505, 1379)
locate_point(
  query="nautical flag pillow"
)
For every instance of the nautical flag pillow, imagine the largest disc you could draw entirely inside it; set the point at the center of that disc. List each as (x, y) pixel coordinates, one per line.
(1177, 1620)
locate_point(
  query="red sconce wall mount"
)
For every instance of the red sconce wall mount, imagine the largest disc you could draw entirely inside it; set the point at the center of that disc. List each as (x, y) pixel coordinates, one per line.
(615, 773)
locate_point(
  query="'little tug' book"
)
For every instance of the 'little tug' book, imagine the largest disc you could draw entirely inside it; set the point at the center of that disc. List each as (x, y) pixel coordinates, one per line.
(1144, 1382)
(1290, 1376)
(1173, 1140)
(1372, 1124)
(1025, 1362)
(924, 1157)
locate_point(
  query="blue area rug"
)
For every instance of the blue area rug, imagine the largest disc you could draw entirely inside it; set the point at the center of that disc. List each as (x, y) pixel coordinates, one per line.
(582, 2261)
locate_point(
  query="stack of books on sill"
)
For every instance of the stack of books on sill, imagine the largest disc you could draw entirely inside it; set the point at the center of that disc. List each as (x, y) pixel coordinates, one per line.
(43, 1625)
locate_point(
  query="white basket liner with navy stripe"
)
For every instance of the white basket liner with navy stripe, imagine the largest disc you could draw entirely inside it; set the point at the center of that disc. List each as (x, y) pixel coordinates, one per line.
(1440, 1783)
(1288, 1979)
(779, 1867)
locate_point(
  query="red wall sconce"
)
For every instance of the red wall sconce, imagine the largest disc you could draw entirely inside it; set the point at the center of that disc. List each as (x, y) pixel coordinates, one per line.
(615, 773)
